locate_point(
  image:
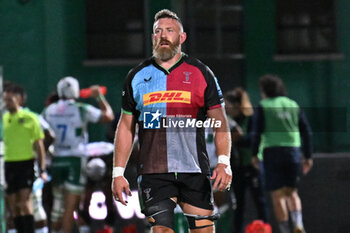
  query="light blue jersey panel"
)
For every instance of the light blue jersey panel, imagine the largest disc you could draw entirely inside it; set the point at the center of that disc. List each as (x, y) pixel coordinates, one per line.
(149, 79)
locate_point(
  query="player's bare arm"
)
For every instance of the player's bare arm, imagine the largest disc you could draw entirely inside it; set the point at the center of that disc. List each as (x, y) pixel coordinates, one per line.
(122, 148)
(222, 173)
(107, 112)
(39, 146)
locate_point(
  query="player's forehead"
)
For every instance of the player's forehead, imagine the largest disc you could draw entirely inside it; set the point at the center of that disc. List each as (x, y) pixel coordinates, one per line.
(166, 23)
(10, 95)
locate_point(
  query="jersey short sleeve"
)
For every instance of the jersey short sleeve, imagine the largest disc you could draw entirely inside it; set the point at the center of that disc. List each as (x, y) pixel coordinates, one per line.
(213, 94)
(92, 113)
(43, 123)
(37, 132)
(128, 102)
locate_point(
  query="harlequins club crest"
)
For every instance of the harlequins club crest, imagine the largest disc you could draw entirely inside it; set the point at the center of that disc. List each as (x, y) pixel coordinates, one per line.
(187, 77)
(147, 192)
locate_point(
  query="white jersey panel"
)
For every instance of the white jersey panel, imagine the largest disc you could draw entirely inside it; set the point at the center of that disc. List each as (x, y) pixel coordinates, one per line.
(93, 114)
(69, 120)
(43, 123)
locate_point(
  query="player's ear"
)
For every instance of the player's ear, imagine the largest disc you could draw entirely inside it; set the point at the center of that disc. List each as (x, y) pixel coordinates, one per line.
(153, 38)
(183, 37)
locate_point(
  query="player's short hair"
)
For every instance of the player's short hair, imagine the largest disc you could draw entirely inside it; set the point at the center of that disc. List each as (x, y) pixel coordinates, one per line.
(272, 85)
(165, 13)
(17, 90)
(240, 96)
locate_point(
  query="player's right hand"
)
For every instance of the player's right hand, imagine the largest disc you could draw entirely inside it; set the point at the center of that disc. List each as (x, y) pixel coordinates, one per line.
(256, 162)
(120, 185)
(307, 165)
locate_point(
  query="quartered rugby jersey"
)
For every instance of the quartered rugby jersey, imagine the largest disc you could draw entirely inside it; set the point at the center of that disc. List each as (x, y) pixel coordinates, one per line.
(160, 99)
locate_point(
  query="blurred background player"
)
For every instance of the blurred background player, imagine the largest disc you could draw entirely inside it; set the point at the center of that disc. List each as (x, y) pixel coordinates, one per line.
(281, 126)
(239, 108)
(103, 183)
(69, 119)
(22, 131)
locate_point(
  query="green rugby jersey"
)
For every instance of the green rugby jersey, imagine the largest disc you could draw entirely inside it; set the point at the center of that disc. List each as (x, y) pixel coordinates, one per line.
(281, 116)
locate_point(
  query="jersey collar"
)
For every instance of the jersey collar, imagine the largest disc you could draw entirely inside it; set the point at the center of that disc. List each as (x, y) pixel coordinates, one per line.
(177, 63)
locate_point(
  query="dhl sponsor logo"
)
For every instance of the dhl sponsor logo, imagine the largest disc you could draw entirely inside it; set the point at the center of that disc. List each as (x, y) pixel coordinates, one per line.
(167, 97)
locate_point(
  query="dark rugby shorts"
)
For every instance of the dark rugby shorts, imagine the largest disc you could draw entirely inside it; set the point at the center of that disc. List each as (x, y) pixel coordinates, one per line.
(19, 175)
(282, 167)
(192, 188)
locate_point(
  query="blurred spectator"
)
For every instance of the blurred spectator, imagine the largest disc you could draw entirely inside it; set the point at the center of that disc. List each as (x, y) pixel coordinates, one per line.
(239, 108)
(283, 129)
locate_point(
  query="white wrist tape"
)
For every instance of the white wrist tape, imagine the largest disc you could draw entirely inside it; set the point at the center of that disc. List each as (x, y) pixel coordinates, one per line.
(118, 171)
(228, 170)
(224, 159)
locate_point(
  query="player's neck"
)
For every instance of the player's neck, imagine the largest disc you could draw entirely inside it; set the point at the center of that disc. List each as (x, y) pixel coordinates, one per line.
(13, 110)
(169, 63)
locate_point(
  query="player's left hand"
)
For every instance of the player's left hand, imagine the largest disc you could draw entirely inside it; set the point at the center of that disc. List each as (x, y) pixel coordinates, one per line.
(222, 175)
(256, 162)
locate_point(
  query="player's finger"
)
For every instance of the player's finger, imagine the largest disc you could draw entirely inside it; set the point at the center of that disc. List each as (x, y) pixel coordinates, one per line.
(128, 192)
(214, 175)
(228, 182)
(221, 180)
(216, 183)
(223, 185)
(119, 197)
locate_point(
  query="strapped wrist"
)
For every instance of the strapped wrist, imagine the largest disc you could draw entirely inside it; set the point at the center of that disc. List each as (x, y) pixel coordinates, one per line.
(118, 171)
(224, 159)
(100, 98)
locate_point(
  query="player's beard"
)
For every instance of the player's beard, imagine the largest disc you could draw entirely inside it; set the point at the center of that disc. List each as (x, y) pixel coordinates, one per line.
(166, 53)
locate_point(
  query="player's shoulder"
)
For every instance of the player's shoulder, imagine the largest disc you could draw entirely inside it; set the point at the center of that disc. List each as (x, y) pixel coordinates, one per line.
(81, 105)
(293, 102)
(6, 115)
(131, 74)
(49, 109)
(206, 71)
(85, 108)
(193, 60)
(27, 113)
